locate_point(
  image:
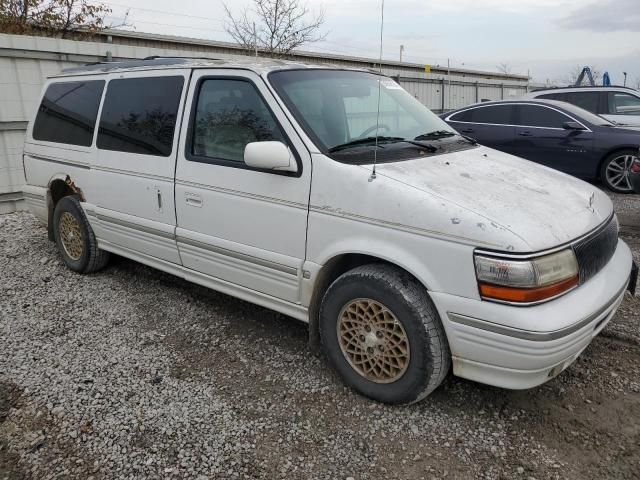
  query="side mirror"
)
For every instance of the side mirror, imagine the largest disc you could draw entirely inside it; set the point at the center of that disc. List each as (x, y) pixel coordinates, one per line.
(573, 126)
(270, 156)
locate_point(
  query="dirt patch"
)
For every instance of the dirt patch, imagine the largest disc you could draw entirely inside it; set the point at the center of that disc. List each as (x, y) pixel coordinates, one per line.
(10, 468)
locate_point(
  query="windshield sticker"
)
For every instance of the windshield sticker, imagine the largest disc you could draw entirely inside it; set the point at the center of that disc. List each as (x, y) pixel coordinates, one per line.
(390, 84)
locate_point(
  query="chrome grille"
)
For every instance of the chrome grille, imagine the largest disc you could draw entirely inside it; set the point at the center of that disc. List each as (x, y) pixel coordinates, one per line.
(595, 251)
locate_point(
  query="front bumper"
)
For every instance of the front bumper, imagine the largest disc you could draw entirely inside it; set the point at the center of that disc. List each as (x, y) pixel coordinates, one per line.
(522, 347)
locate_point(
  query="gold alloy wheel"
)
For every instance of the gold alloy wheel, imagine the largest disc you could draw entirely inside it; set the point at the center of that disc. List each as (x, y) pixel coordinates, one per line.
(70, 236)
(373, 340)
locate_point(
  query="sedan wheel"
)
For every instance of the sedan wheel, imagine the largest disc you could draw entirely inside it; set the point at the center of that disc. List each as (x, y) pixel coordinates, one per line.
(617, 172)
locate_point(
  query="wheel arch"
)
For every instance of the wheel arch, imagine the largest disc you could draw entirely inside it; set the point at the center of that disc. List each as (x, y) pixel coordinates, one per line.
(60, 185)
(329, 272)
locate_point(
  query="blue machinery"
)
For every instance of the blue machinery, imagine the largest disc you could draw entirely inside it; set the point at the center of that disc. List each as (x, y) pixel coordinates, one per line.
(586, 72)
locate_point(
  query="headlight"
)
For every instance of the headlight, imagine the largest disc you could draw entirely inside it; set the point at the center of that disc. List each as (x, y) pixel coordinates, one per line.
(526, 281)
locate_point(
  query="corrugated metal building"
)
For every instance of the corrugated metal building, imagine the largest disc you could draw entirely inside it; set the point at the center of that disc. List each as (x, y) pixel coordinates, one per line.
(26, 61)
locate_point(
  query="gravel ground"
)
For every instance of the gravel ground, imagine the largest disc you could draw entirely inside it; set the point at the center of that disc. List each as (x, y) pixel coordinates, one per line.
(133, 373)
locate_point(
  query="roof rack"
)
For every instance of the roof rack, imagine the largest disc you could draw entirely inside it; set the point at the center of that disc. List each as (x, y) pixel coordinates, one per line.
(153, 61)
(580, 86)
(161, 57)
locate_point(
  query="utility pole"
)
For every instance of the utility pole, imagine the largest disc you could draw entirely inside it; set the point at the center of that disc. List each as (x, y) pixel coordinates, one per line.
(449, 78)
(255, 38)
(401, 52)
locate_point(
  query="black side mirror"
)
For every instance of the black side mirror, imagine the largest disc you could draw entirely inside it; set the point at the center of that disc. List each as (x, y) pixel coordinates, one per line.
(573, 126)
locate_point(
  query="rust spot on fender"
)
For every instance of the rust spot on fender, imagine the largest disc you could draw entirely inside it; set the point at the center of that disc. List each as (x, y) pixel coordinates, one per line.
(76, 189)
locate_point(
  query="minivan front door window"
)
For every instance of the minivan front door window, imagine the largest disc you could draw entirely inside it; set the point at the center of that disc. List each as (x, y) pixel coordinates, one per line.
(229, 115)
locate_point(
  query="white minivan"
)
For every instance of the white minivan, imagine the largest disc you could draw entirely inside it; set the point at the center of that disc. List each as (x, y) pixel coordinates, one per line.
(335, 197)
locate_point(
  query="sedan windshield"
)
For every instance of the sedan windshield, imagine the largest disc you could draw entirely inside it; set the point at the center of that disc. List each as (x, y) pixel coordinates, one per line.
(339, 110)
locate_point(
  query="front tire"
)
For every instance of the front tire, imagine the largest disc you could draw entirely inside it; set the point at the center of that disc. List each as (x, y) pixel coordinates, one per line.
(383, 335)
(616, 171)
(75, 239)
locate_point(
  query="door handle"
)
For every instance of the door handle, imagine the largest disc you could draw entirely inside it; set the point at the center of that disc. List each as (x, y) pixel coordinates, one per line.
(525, 134)
(193, 199)
(468, 130)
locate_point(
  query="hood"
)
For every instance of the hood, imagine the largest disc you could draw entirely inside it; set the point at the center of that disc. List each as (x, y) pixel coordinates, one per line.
(544, 208)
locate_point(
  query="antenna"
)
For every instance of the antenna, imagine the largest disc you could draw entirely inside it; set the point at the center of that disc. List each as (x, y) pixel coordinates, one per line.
(375, 151)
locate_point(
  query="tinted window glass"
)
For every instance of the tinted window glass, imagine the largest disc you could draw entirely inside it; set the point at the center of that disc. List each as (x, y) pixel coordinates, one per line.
(497, 114)
(623, 104)
(229, 115)
(68, 113)
(554, 96)
(534, 116)
(139, 115)
(466, 116)
(586, 100)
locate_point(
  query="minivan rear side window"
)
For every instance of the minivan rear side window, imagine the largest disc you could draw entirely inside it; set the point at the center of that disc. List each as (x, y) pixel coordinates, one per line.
(139, 115)
(68, 112)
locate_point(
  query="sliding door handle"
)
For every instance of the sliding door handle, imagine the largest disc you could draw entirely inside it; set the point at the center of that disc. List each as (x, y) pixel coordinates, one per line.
(193, 199)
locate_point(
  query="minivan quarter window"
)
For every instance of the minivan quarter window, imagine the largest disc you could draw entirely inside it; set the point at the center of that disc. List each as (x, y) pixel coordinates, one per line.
(229, 114)
(68, 112)
(139, 115)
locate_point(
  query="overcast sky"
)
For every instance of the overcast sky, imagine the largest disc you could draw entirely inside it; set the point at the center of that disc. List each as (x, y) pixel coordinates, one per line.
(549, 38)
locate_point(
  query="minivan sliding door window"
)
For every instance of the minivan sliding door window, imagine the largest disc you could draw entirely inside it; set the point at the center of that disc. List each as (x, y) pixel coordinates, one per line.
(68, 112)
(139, 115)
(229, 115)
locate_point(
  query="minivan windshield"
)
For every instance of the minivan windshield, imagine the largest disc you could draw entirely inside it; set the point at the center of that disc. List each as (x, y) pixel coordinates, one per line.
(339, 110)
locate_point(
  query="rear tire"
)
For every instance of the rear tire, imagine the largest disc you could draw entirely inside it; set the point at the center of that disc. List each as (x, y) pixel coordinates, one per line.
(383, 335)
(615, 171)
(75, 238)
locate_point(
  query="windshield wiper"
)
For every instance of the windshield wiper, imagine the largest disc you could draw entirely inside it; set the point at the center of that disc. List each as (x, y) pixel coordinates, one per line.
(435, 134)
(471, 140)
(364, 141)
(382, 140)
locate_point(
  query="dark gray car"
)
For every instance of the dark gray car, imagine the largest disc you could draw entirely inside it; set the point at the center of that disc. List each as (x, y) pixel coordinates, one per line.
(555, 134)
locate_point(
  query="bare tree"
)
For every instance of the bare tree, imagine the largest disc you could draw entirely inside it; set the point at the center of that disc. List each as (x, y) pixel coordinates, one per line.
(504, 68)
(53, 17)
(275, 26)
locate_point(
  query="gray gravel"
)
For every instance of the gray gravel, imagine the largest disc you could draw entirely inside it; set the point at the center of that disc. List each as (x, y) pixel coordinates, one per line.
(132, 373)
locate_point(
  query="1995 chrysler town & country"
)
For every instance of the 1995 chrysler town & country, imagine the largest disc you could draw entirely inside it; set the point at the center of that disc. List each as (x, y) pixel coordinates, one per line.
(256, 179)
